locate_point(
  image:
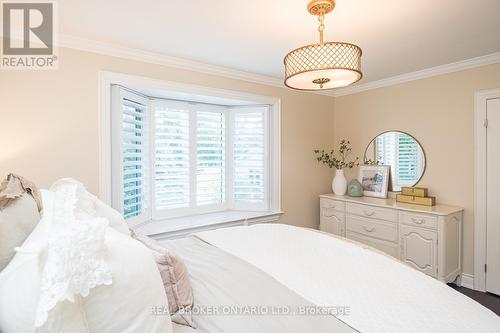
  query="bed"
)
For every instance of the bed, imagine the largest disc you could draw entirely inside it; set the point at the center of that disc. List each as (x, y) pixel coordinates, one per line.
(81, 271)
(382, 294)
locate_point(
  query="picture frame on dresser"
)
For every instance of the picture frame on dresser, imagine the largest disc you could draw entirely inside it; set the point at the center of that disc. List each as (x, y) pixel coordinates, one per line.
(375, 180)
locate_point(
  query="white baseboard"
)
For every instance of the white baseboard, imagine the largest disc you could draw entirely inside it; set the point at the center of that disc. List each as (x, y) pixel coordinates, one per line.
(467, 280)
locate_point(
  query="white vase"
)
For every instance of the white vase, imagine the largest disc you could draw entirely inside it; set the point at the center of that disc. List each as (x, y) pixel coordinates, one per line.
(339, 183)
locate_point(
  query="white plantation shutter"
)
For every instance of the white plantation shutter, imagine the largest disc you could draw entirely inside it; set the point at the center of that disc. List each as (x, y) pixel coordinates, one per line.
(250, 161)
(401, 151)
(131, 154)
(408, 159)
(172, 155)
(387, 153)
(175, 158)
(387, 149)
(210, 157)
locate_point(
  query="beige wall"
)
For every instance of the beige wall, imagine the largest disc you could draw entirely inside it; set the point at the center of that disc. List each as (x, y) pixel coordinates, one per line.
(49, 126)
(439, 112)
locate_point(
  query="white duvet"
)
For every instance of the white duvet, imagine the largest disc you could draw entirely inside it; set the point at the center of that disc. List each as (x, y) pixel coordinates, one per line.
(383, 295)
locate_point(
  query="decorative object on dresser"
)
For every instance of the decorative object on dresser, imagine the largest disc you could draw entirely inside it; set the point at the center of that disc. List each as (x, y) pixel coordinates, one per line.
(375, 180)
(428, 239)
(354, 188)
(339, 183)
(415, 191)
(402, 152)
(416, 196)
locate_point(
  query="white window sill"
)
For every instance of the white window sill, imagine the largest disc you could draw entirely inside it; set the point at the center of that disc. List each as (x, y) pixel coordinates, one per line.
(184, 226)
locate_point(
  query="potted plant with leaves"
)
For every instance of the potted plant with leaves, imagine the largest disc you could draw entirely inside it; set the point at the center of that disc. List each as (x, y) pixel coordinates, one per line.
(339, 183)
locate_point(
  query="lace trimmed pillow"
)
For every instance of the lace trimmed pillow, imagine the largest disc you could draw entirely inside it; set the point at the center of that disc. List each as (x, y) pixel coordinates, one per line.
(175, 278)
(73, 260)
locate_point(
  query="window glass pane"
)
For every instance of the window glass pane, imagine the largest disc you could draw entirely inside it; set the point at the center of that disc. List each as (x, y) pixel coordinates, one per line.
(249, 157)
(210, 158)
(171, 157)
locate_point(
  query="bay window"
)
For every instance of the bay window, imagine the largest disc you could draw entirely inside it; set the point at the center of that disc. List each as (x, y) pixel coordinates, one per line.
(173, 158)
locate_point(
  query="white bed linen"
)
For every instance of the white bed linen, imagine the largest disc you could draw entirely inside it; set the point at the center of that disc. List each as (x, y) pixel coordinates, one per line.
(383, 294)
(75, 274)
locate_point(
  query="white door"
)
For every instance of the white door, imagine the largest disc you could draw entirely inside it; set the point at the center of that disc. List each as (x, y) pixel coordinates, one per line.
(493, 197)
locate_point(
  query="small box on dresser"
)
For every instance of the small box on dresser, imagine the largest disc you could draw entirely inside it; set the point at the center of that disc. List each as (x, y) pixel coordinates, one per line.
(428, 239)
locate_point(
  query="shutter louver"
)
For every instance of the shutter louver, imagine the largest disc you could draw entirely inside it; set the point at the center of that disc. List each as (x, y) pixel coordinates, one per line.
(408, 158)
(249, 144)
(210, 158)
(172, 150)
(135, 157)
(386, 153)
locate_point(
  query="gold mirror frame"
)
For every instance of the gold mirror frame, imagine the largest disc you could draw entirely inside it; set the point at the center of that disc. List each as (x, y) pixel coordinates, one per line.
(421, 147)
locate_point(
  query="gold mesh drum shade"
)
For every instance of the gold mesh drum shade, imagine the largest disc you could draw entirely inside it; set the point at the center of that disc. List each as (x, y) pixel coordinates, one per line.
(325, 65)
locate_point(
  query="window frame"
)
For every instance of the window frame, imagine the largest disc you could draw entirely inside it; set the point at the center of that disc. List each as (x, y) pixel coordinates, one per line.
(107, 79)
(229, 203)
(193, 209)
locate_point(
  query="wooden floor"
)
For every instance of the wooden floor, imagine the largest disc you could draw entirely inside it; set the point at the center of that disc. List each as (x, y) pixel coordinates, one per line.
(490, 301)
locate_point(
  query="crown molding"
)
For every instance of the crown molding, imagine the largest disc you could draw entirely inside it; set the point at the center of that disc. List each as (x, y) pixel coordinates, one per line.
(88, 45)
(489, 59)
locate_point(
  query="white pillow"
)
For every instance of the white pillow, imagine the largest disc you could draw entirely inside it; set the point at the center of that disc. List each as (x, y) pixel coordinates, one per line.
(116, 220)
(125, 306)
(17, 221)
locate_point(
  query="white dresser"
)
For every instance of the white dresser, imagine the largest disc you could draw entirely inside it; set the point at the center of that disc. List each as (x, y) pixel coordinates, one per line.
(426, 238)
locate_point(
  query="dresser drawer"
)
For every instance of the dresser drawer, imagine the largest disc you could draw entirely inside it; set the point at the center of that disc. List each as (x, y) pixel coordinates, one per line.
(420, 220)
(383, 230)
(389, 248)
(332, 204)
(331, 214)
(386, 214)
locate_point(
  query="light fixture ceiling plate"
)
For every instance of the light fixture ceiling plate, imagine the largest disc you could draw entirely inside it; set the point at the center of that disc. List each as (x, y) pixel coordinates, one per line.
(321, 7)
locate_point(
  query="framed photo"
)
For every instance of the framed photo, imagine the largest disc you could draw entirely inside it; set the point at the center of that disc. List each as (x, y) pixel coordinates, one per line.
(375, 180)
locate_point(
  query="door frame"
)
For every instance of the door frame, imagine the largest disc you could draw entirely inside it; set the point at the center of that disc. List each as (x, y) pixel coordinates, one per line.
(480, 185)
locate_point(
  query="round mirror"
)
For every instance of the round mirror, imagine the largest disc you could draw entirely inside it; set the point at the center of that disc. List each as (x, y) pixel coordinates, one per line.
(402, 152)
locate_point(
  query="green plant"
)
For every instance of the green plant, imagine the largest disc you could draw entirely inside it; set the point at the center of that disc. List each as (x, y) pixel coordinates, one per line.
(329, 158)
(371, 162)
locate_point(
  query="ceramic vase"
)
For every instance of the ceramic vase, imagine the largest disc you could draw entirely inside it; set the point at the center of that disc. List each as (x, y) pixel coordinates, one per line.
(339, 184)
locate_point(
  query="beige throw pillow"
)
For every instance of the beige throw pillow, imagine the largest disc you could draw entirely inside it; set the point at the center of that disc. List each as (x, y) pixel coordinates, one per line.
(175, 280)
(17, 221)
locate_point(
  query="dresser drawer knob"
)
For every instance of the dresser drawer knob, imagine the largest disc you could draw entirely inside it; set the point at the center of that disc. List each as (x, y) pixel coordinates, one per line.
(368, 229)
(368, 212)
(417, 221)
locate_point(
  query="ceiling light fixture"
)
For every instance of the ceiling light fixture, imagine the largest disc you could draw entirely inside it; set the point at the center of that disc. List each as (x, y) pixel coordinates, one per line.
(324, 65)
